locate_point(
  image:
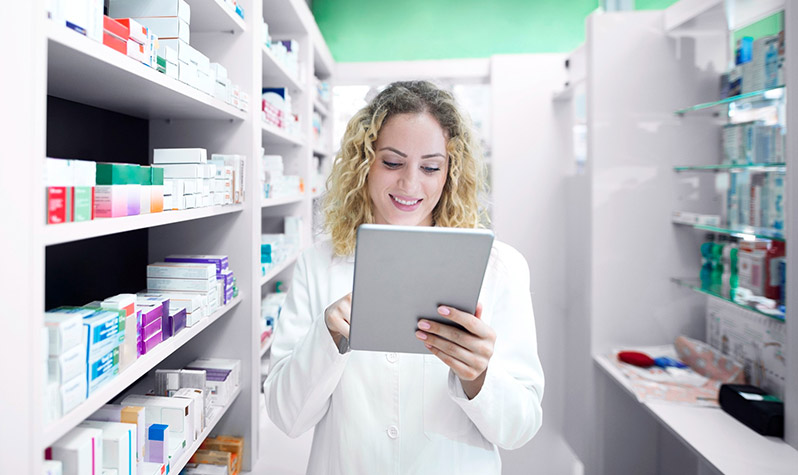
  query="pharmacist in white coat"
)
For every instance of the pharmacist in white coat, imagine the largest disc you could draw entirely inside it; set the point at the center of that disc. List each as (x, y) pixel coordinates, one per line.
(407, 158)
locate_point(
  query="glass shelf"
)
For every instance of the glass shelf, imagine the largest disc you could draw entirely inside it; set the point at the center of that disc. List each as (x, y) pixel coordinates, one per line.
(741, 231)
(754, 167)
(714, 290)
(770, 94)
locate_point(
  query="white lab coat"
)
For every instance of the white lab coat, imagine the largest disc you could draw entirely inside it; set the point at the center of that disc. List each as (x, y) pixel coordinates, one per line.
(389, 413)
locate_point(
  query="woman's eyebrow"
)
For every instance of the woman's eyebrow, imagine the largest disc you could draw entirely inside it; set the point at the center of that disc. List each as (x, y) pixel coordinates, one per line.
(404, 155)
(434, 155)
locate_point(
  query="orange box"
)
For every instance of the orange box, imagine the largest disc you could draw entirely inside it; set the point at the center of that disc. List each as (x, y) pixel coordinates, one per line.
(115, 43)
(115, 28)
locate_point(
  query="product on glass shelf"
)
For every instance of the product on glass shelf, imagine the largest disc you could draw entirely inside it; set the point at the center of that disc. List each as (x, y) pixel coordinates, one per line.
(772, 283)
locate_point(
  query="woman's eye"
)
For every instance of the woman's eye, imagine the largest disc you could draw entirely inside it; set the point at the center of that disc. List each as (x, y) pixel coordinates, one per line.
(391, 164)
(431, 169)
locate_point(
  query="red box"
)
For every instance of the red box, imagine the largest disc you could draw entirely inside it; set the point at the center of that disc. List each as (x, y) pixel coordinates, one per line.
(116, 28)
(136, 32)
(58, 204)
(112, 41)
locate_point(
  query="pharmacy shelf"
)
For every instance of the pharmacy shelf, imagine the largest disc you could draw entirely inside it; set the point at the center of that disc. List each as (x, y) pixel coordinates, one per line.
(82, 70)
(740, 231)
(264, 348)
(210, 424)
(728, 167)
(770, 94)
(270, 202)
(139, 368)
(320, 107)
(275, 74)
(273, 135)
(715, 436)
(68, 232)
(212, 16)
(695, 285)
(275, 271)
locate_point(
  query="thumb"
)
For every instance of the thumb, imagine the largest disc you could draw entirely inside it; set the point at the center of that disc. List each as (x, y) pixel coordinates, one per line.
(478, 313)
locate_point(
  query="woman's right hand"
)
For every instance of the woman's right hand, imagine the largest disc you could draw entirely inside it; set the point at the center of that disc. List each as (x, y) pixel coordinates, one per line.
(337, 318)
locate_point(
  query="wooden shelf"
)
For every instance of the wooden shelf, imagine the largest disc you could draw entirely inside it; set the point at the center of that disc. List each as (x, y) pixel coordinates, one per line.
(210, 424)
(139, 368)
(85, 71)
(715, 436)
(68, 232)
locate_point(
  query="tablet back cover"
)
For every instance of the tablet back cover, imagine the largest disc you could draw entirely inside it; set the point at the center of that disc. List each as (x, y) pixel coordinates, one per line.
(403, 273)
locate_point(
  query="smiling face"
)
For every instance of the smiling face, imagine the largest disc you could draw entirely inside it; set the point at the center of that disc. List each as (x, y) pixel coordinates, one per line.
(406, 179)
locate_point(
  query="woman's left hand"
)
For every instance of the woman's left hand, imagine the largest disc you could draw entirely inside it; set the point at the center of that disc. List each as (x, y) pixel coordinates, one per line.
(467, 353)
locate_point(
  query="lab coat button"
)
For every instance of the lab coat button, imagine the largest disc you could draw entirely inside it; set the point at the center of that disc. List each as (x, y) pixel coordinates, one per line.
(392, 357)
(393, 432)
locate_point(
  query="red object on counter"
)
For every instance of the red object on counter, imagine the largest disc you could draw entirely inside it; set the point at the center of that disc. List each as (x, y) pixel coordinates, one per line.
(636, 358)
(772, 281)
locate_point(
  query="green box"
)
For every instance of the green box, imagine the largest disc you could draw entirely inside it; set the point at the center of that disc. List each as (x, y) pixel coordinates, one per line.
(117, 174)
(145, 175)
(156, 176)
(161, 62)
(83, 203)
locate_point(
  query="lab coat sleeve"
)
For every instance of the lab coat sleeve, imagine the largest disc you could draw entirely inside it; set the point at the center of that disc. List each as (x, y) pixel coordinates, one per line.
(305, 363)
(507, 410)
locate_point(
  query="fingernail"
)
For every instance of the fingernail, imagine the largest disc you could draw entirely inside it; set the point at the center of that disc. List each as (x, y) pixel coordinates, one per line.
(443, 310)
(421, 335)
(429, 347)
(423, 325)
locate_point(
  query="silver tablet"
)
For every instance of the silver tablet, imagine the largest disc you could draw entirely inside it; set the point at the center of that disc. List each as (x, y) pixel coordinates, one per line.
(403, 273)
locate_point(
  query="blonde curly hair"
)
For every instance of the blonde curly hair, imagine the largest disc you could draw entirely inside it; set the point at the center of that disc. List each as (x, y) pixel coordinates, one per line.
(346, 204)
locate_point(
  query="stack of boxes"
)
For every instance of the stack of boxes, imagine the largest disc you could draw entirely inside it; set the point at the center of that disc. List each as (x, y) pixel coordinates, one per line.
(221, 281)
(66, 363)
(753, 143)
(193, 181)
(120, 187)
(277, 109)
(168, 277)
(230, 172)
(217, 455)
(125, 304)
(759, 64)
(70, 186)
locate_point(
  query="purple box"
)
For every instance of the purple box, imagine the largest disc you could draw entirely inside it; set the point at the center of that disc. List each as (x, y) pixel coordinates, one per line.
(153, 299)
(150, 314)
(226, 276)
(228, 295)
(220, 261)
(147, 345)
(175, 322)
(151, 329)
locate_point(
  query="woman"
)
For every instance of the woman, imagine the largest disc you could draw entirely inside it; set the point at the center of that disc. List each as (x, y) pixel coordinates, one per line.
(408, 158)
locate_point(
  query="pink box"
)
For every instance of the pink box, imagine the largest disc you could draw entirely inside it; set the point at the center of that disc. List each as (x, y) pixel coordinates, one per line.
(110, 201)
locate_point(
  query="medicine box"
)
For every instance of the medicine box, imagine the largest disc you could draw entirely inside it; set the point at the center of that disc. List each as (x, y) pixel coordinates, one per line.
(119, 445)
(102, 330)
(80, 451)
(176, 322)
(185, 170)
(150, 8)
(69, 365)
(102, 369)
(158, 443)
(220, 261)
(65, 329)
(167, 27)
(181, 270)
(179, 155)
(71, 394)
(219, 363)
(129, 415)
(110, 201)
(151, 468)
(138, 30)
(169, 381)
(199, 285)
(198, 396)
(178, 414)
(53, 467)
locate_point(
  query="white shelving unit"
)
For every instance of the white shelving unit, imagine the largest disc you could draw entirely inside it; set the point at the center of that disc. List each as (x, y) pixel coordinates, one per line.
(624, 249)
(61, 67)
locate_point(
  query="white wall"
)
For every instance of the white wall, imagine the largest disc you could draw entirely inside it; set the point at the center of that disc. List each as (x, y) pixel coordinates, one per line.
(529, 208)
